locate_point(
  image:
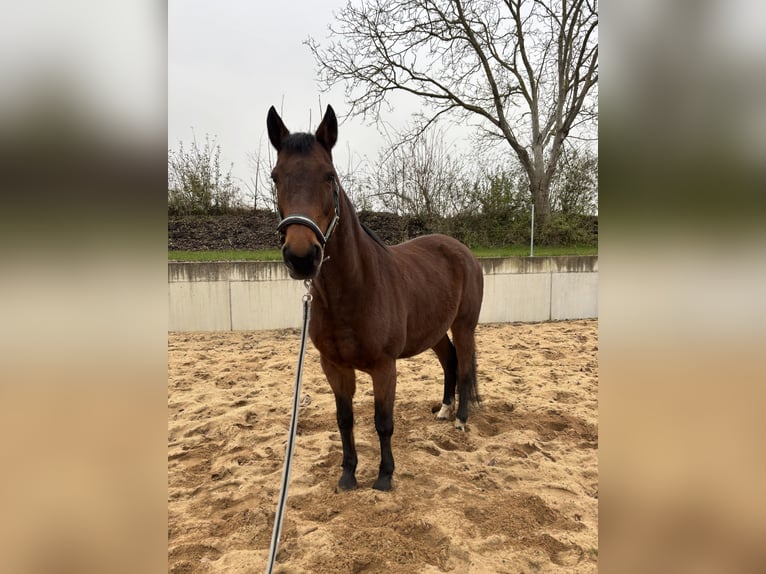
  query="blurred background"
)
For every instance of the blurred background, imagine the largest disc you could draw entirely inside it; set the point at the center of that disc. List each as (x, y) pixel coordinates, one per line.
(682, 321)
(83, 286)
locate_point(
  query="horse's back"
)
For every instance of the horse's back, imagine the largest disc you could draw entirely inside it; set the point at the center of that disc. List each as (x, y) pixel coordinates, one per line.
(442, 281)
(433, 244)
(439, 255)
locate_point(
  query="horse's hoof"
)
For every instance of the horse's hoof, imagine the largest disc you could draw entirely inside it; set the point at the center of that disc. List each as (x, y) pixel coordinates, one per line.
(444, 413)
(460, 425)
(347, 482)
(383, 483)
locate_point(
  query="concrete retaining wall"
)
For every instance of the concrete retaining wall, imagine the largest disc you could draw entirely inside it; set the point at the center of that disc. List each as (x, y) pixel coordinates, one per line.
(249, 295)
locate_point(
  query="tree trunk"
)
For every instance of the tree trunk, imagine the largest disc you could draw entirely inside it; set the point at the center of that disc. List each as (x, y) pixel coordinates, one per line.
(541, 199)
(539, 187)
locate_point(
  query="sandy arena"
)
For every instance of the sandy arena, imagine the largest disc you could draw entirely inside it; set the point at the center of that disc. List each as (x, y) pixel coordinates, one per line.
(517, 492)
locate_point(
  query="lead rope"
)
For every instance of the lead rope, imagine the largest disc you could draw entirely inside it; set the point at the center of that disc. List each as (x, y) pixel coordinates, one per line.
(291, 436)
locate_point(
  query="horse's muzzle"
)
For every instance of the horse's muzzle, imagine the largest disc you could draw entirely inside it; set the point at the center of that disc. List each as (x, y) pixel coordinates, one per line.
(302, 266)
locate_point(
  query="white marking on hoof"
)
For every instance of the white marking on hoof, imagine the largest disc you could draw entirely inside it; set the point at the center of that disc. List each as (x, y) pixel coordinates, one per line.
(445, 412)
(459, 425)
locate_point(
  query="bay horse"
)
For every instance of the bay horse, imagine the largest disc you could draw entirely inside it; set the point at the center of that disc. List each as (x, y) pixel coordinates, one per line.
(371, 303)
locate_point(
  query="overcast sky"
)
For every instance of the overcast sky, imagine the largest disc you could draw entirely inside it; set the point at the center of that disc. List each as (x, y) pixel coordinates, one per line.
(229, 60)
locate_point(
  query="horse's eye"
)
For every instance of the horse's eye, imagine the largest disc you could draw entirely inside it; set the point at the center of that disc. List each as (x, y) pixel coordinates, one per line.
(329, 177)
(274, 178)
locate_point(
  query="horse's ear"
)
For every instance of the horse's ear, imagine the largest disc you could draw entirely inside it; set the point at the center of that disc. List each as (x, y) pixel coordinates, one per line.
(327, 132)
(277, 130)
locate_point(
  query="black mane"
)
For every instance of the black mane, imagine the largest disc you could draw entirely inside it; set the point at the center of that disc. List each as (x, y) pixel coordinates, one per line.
(374, 236)
(299, 143)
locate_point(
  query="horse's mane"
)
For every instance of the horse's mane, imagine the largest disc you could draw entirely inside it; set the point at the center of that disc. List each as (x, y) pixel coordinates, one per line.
(299, 142)
(374, 235)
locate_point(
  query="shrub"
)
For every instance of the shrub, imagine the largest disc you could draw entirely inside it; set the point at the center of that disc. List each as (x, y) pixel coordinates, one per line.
(196, 183)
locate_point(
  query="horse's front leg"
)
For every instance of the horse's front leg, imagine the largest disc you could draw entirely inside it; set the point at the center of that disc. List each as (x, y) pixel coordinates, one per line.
(384, 389)
(343, 383)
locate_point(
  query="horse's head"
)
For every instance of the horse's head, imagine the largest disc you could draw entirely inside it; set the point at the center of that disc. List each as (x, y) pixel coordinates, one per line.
(307, 191)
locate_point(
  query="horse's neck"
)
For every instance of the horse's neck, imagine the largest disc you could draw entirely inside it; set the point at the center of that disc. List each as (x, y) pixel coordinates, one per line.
(351, 253)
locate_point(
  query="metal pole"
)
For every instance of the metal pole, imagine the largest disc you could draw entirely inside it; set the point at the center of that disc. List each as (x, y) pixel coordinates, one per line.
(532, 235)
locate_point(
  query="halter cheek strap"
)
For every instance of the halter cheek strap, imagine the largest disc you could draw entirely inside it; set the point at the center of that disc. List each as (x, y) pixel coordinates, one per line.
(298, 219)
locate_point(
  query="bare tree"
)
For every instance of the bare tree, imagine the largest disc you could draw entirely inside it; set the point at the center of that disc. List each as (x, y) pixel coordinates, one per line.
(419, 177)
(357, 183)
(196, 182)
(526, 69)
(574, 189)
(260, 187)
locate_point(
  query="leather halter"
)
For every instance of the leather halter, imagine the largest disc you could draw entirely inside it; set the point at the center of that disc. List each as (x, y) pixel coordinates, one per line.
(298, 219)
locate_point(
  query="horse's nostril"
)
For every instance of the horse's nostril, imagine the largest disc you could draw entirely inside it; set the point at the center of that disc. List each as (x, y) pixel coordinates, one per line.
(302, 266)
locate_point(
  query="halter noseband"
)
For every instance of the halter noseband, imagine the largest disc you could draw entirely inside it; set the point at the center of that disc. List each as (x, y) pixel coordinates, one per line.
(298, 219)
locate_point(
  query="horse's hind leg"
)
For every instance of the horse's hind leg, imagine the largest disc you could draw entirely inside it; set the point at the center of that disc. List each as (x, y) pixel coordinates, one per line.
(343, 384)
(465, 348)
(445, 351)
